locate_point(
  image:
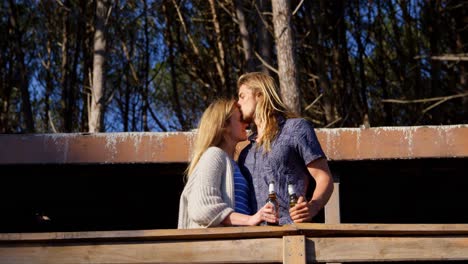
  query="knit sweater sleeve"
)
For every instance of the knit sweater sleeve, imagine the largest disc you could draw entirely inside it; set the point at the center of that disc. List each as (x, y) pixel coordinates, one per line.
(205, 200)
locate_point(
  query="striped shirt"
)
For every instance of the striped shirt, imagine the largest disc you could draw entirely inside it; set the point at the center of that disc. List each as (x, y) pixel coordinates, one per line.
(241, 192)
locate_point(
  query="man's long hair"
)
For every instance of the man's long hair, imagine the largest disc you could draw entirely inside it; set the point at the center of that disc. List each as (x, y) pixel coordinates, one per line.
(269, 108)
(211, 129)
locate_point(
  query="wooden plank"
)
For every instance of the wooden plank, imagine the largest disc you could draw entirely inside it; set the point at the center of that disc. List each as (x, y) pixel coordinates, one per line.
(308, 229)
(338, 144)
(395, 142)
(215, 251)
(294, 249)
(332, 208)
(316, 230)
(352, 249)
(159, 235)
(95, 148)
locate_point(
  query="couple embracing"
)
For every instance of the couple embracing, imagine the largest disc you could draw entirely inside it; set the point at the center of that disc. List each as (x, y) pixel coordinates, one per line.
(283, 148)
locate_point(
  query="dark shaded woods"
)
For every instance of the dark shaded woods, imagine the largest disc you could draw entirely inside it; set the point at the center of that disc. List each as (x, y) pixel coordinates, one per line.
(155, 65)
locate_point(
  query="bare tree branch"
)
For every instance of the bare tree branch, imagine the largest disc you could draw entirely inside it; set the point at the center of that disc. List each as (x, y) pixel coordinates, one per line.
(297, 8)
(440, 100)
(425, 100)
(446, 57)
(260, 14)
(160, 124)
(451, 57)
(127, 56)
(184, 27)
(434, 105)
(51, 122)
(233, 17)
(315, 101)
(273, 69)
(332, 123)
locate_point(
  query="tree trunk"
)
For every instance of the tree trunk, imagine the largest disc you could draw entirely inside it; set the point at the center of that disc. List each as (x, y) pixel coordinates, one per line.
(461, 41)
(219, 57)
(352, 111)
(64, 80)
(286, 55)
(318, 30)
(434, 36)
(171, 49)
(245, 37)
(265, 41)
(145, 69)
(73, 84)
(49, 87)
(21, 73)
(97, 91)
(356, 16)
(341, 83)
(87, 41)
(381, 72)
(130, 74)
(5, 92)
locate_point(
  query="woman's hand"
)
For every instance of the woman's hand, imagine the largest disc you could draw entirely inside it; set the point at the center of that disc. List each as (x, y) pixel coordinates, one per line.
(266, 213)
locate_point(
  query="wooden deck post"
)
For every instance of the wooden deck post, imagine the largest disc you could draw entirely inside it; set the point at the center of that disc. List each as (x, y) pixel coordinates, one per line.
(294, 250)
(332, 208)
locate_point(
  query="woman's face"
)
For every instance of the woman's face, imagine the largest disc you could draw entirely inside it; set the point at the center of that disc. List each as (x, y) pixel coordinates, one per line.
(236, 130)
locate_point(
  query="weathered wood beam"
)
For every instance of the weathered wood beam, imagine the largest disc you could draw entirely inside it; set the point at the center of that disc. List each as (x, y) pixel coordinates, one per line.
(324, 230)
(338, 144)
(376, 249)
(300, 243)
(156, 234)
(207, 251)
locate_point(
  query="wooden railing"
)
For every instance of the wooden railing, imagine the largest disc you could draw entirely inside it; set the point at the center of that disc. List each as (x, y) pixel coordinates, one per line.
(301, 243)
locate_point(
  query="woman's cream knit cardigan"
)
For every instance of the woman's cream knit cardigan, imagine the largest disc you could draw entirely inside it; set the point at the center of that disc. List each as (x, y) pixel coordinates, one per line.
(208, 196)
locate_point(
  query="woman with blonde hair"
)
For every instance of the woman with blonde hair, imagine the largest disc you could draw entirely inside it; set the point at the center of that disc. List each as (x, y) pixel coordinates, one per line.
(216, 193)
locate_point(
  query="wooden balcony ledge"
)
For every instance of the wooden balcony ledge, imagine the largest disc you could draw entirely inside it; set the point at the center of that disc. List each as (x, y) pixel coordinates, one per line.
(301, 243)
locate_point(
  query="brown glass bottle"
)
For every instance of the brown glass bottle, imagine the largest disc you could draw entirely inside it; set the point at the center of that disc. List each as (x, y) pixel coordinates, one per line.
(292, 195)
(272, 199)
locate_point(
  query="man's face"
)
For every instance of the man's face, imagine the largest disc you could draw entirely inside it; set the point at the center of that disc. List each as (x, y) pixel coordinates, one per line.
(247, 103)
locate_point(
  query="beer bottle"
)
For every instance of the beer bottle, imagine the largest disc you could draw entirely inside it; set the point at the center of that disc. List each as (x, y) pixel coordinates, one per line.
(292, 195)
(272, 199)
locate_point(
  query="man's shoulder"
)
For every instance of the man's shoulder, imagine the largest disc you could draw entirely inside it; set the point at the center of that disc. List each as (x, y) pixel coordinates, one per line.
(296, 124)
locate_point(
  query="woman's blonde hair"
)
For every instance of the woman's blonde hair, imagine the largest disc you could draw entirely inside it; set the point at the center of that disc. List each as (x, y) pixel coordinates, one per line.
(211, 129)
(269, 108)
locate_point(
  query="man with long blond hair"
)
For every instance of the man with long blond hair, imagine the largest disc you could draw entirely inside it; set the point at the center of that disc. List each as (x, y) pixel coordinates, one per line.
(283, 148)
(216, 193)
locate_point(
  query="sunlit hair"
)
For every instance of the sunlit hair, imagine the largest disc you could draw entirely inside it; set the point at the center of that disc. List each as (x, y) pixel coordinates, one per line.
(210, 131)
(268, 108)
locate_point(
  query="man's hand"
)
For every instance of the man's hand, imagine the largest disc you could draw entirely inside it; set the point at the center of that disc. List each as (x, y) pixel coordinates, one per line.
(305, 210)
(302, 211)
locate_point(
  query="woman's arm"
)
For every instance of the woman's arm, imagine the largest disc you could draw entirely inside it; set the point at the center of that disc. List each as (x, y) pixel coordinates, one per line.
(264, 214)
(205, 204)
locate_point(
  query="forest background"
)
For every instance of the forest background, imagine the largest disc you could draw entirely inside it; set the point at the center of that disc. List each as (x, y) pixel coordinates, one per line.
(141, 65)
